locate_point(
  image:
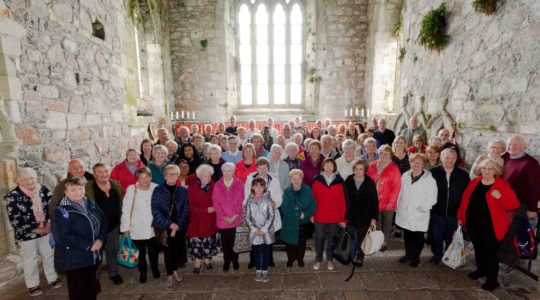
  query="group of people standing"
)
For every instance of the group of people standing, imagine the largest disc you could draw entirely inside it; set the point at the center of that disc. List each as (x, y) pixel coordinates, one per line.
(187, 196)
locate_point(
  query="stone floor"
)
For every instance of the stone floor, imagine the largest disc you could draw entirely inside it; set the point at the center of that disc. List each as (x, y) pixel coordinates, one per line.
(382, 277)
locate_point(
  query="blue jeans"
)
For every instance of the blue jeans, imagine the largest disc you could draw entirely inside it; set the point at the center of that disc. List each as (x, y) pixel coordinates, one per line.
(443, 230)
(261, 255)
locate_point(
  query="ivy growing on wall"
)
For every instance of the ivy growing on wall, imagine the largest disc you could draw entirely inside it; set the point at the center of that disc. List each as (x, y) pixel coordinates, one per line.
(433, 29)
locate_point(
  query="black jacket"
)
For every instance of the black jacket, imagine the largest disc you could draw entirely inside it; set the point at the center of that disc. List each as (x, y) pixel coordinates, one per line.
(449, 199)
(362, 203)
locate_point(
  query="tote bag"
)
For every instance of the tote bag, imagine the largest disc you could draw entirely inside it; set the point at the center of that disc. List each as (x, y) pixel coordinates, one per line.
(128, 254)
(373, 241)
(241, 239)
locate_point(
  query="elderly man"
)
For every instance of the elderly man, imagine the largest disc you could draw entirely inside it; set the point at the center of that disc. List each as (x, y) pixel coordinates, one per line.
(232, 155)
(107, 194)
(231, 129)
(207, 132)
(273, 132)
(446, 142)
(414, 128)
(75, 169)
(451, 183)
(182, 136)
(252, 128)
(221, 129)
(163, 136)
(374, 123)
(286, 132)
(522, 172)
(194, 129)
(173, 155)
(384, 135)
(327, 150)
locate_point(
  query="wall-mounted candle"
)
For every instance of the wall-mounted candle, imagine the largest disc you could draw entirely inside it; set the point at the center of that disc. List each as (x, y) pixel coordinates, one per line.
(356, 111)
(351, 113)
(193, 115)
(176, 114)
(363, 113)
(172, 115)
(182, 114)
(345, 115)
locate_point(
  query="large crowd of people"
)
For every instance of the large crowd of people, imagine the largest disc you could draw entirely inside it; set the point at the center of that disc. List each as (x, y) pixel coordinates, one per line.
(185, 195)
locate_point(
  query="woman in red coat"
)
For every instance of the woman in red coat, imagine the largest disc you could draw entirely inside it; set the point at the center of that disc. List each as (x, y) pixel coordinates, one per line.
(484, 209)
(388, 181)
(202, 228)
(124, 171)
(247, 165)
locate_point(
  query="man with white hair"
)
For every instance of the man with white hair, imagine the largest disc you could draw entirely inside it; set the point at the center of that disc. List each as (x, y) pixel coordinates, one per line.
(446, 142)
(286, 132)
(273, 132)
(172, 147)
(182, 136)
(522, 173)
(76, 168)
(414, 128)
(252, 128)
(163, 136)
(327, 150)
(384, 135)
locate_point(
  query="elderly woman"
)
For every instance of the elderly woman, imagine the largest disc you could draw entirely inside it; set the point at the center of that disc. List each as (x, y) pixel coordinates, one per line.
(298, 139)
(157, 165)
(311, 166)
(79, 228)
(370, 148)
(172, 148)
(247, 164)
(292, 160)
(278, 166)
(124, 172)
(258, 143)
(136, 221)
(433, 154)
(360, 150)
(297, 208)
(227, 200)
(346, 162)
(388, 181)
(27, 208)
(484, 212)
(198, 141)
(232, 154)
(418, 195)
(202, 229)
(496, 148)
(215, 161)
(400, 156)
(189, 153)
(329, 194)
(362, 204)
(146, 151)
(170, 211)
(419, 145)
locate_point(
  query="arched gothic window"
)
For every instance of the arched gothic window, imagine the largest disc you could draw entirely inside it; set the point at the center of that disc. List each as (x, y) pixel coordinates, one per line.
(271, 51)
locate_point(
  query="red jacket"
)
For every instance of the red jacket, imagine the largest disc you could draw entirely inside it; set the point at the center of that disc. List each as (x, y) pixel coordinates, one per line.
(412, 149)
(242, 172)
(498, 208)
(201, 223)
(330, 200)
(121, 173)
(388, 185)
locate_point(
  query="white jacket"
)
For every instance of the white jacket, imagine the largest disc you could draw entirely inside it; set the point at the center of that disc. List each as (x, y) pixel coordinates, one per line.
(274, 187)
(140, 224)
(415, 201)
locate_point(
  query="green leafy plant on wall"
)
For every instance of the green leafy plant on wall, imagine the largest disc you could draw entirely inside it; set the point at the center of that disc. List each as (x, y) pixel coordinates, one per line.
(398, 28)
(487, 7)
(313, 77)
(433, 29)
(204, 43)
(402, 52)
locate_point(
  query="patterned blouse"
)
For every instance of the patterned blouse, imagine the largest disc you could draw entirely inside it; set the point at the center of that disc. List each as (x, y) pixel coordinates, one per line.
(20, 214)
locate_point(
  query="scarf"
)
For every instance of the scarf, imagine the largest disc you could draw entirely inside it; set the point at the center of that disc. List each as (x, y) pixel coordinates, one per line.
(37, 204)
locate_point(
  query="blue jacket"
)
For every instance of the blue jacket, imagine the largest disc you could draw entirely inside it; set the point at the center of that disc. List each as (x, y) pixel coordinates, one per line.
(75, 229)
(160, 207)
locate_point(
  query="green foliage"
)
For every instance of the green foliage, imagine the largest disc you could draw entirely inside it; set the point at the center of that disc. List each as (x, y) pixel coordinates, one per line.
(313, 78)
(398, 28)
(433, 29)
(402, 52)
(487, 7)
(204, 43)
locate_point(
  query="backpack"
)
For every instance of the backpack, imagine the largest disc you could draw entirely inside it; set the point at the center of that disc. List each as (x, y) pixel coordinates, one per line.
(524, 241)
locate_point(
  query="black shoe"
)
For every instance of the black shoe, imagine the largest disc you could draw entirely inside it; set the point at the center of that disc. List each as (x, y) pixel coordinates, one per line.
(435, 260)
(197, 271)
(289, 264)
(475, 275)
(155, 274)
(301, 264)
(414, 263)
(271, 263)
(251, 265)
(226, 267)
(235, 266)
(405, 259)
(117, 280)
(490, 286)
(142, 278)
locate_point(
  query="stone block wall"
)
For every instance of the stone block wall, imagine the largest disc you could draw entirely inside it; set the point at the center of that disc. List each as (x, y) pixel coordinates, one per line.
(488, 71)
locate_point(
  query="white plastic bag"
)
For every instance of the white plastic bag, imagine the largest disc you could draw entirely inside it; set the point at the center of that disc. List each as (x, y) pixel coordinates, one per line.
(373, 241)
(454, 257)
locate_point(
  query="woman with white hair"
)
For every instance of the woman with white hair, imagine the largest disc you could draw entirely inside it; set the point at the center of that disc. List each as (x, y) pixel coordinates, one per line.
(215, 161)
(370, 148)
(495, 149)
(278, 166)
(27, 208)
(292, 159)
(202, 229)
(346, 162)
(158, 164)
(227, 200)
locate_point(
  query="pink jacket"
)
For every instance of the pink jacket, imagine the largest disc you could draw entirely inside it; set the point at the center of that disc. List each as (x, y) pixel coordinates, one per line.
(228, 203)
(388, 185)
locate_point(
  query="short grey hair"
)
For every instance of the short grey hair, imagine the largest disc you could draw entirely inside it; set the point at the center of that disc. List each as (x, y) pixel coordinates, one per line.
(520, 138)
(349, 143)
(370, 140)
(215, 147)
(228, 166)
(276, 146)
(326, 137)
(298, 134)
(26, 172)
(131, 150)
(496, 142)
(204, 168)
(160, 148)
(293, 145)
(171, 167)
(446, 151)
(307, 142)
(171, 143)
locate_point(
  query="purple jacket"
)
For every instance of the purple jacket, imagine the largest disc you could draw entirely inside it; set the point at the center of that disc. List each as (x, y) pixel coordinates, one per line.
(310, 170)
(228, 203)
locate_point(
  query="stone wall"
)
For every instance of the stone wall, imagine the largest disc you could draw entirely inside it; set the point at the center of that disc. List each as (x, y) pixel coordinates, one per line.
(77, 94)
(488, 72)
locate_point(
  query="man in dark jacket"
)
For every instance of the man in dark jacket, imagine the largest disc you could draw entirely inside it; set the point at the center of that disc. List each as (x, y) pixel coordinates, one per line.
(451, 183)
(107, 194)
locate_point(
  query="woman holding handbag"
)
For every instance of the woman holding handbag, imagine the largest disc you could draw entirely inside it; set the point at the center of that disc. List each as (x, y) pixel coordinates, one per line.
(136, 221)
(362, 204)
(170, 216)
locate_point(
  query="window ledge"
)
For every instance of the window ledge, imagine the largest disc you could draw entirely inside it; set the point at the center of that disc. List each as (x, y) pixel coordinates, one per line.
(284, 113)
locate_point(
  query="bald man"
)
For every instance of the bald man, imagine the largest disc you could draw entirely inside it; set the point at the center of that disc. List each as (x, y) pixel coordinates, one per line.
(414, 128)
(76, 168)
(446, 142)
(384, 135)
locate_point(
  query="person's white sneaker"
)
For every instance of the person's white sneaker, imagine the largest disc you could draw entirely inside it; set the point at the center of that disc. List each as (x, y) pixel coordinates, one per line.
(330, 266)
(265, 277)
(258, 276)
(317, 266)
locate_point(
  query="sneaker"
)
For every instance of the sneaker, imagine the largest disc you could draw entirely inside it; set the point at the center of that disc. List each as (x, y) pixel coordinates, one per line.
(330, 266)
(169, 282)
(265, 277)
(317, 266)
(117, 280)
(56, 284)
(178, 278)
(35, 291)
(505, 269)
(258, 276)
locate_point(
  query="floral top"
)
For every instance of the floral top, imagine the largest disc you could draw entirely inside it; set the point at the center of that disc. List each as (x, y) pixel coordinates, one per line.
(20, 214)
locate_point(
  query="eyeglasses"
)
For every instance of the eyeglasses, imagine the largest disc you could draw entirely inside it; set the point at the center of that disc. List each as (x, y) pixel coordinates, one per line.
(489, 168)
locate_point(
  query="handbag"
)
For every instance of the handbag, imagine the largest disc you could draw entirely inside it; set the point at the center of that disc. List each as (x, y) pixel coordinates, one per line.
(343, 245)
(373, 241)
(162, 235)
(128, 254)
(241, 239)
(454, 256)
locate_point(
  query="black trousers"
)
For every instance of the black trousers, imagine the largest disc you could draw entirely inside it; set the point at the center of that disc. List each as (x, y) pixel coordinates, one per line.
(486, 247)
(172, 253)
(183, 259)
(296, 252)
(361, 232)
(143, 245)
(227, 243)
(414, 242)
(82, 283)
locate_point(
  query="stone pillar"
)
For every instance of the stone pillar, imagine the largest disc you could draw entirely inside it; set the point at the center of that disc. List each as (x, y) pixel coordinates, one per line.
(8, 177)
